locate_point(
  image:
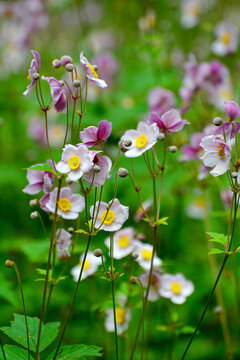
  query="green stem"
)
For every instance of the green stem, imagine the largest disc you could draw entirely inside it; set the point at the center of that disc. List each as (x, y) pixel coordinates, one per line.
(142, 290)
(3, 352)
(47, 137)
(113, 294)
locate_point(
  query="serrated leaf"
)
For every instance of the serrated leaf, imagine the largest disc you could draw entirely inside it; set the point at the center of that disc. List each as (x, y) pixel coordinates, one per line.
(17, 331)
(218, 238)
(162, 221)
(42, 167)
(77, 352)
(216, 251)
(13, 352)
(81, 231)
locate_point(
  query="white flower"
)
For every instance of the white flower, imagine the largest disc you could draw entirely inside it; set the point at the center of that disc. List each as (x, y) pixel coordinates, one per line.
(123, 316)
(197, 209)
(63, 242)
(142, 139)
(175, 287)
(90, 267)
(144, 252)
(76, 161)
(154, 286)
(109, 218)
(227, 39)
(123, 243)
(191, 11)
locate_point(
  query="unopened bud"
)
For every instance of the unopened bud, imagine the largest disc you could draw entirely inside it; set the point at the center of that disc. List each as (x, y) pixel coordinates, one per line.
(33, 202)
(161, 136)
(8, 263)
(96, 168)
(217, 121)
(35, 76)
(69, 67)
(172, 149)
(122, 172)
(76, 83)
(68, 181)
(70, 229)
(97, 252)
(65, 60)
(133, 280)
(234, 174)
(56, 63)
(61, 82)
(34, 215)
(141, 237)
(135, 256)
(95, 67)
(218, 309)
(127, 143)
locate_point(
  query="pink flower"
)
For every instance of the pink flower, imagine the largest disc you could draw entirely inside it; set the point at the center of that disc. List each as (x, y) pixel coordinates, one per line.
(194, 150)
(34, 68)
(92, 135)
(160, 100)
(63, 242)
(69, 204)
(169, 122)
(227, 39)
(98, 178)
(217, 154)
(38, 181)
(107, 65)
(232, 109)
(90, 72)
(57, 93)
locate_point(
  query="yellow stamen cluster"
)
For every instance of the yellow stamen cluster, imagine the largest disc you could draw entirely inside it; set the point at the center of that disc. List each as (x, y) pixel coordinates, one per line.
(123, 241)
(64, 204)
(220, 150)
(74, 162)
(107, 217)
(87, 264)
(93, 71)
(141, 141)
(120, 315)
(29, 75)
(226, 37)
(176, 288)
(146, 254)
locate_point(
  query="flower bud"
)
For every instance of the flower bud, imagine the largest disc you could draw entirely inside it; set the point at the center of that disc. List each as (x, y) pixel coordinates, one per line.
(34, 215)
(217, 121)
(97, 252)
(234, 174)
(141, 237)
(69, 67)
(61, 82)
(218, 309)
(95, 67)
(65, 60)
(161, 136)
(56, 63)
(76, 83)
(33, 202)
(68, 181)
(35, 76)
(127, 143)
(70, 229)
(172, 149)
(8, 263)
(122, 172)
(133, 279)
(135, 256)
(96, 168)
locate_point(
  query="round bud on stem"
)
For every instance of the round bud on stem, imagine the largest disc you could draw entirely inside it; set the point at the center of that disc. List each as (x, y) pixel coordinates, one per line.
(217, 121)
(95, 67)
(141, 237)
(161, 136)
(133, 279)
(56, 63)
(70, 229)
(234, 174)
(127, 143)
(61, 82)
(135, 256)
(34, 215)
(122, 172)
(8, 263)
(76, 83)
(172, 149)
(69, 67)
(97, 252)
(33, 202)
(35, 76)
(96, 168)
(68, 181)
(65, 60)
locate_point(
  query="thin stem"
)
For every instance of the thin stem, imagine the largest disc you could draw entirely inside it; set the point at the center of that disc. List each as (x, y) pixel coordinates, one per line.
(142, 290)
(73, 299)
(113, 294)
(162, 168)
(65, 138)
(47, 137)
(48, 268)
(3, 352)
(73, 115)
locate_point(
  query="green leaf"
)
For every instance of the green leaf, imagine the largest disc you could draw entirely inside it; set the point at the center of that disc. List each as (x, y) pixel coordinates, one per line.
(76, 352)
(81, 231)
(216, 251)
(36, 251)
(6, 292)
(218, 238)
(162, 221)
(185, 330)
(162, 328)
(42, 167)
(44, 271)
(17, 331)
(13, 352)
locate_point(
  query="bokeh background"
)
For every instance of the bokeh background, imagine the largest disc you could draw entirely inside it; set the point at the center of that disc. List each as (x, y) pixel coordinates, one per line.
(138, 45)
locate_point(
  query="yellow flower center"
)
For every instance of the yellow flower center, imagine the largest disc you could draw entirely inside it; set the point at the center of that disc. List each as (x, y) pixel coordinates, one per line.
(29, 76)
(120, 315)
(141, 141)
(226, 36)
(93, 71)
(227, 94)
(64, 204)
(123, 241)
(154, 282)
(86, 264)
(107, 217)
(74, 162)
(146, 254)
(221, 151)
(176, 288)
(196, 10)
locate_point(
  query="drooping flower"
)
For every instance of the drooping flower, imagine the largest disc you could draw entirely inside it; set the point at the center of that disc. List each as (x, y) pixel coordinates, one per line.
(217, 154)
(154, 285)
(63, 242)
(98, 178)
(146, 206)
(92, 135)
(175, 287)
(34, 68)
(69, 204)
(107, 65)
(38, 181)
(144, 252)
(227, 39)
(232, 110)
(110, 218)
(76, 161)
(123, 243)
(123, 316)
(90, 72)
(58, 95)
(161, 100)
(169, 122)
(90, 266)
(142, 139)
